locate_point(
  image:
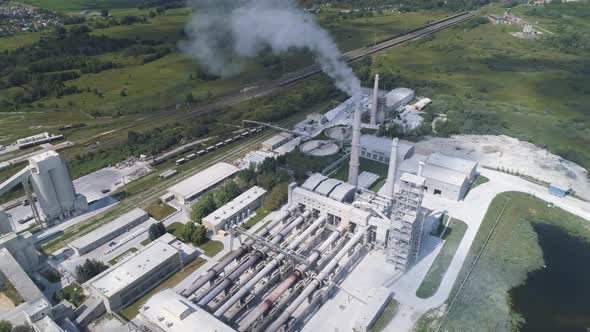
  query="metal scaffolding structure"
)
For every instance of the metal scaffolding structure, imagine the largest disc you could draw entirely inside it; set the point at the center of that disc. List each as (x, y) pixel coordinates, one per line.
(405, 234)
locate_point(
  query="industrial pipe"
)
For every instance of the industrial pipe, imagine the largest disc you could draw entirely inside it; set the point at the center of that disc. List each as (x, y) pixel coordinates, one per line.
(315, 283)
(230, 279)
(267, 269)
(215, 270)
(268, 303)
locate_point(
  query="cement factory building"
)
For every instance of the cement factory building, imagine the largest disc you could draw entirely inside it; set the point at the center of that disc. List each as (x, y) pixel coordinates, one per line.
(191, 188)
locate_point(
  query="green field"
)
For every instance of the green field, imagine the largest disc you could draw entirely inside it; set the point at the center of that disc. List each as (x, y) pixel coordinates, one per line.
(490, 82)
(211, 247)
(159, 210)
(452, 235)
(77, 5)
(512, 252)
(260, 214)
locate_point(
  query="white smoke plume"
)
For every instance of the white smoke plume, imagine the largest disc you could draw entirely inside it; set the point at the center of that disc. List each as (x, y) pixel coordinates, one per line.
(220, 30)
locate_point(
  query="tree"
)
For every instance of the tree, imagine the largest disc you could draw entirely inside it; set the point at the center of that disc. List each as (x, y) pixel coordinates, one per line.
(152, 14)
(189, 98)
(104, 12)
(187, 231)
(199, 235)
(5, 326)
(89, 270)
(123, 93)
(204, 206)
(277, 197)
(156, 230)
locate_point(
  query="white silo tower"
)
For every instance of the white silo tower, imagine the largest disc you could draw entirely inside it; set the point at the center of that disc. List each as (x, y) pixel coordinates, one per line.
(54, 188)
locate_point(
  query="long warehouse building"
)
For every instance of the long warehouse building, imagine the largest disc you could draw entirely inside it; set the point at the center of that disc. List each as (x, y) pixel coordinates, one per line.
(191, 188)
(235, 211)
(131, 278)
(104, 234)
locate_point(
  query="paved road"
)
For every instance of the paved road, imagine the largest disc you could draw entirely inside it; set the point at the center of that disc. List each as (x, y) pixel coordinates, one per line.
(472, 211)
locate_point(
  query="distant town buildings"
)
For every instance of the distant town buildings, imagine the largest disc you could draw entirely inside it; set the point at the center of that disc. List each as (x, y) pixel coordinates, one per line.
(16, 18)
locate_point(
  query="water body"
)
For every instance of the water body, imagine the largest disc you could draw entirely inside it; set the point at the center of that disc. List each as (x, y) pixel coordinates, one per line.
(556, 297)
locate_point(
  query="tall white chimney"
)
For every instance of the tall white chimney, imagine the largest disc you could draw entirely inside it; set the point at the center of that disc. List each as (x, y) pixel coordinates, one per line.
(389, 190)
(375, 101)
(353, 169)
(420, 168)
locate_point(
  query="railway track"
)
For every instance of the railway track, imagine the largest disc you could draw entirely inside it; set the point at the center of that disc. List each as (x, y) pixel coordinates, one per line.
(349, 57)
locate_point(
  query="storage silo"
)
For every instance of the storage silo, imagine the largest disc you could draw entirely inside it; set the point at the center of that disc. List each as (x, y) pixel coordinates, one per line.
(54, 188)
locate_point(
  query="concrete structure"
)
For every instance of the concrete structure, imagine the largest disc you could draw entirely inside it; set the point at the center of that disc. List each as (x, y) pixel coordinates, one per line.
(379, 149)
(449, 177)
(354, 164)
(167, 311)
(135, 276)
(317, 118)
(405, 235)
(11, 270)
(236, 211)
(54, 188)
(373, 118)
(392, 169)
(276, 141)
(399, 97)
(191, 188)
(22, 248)
(559, 190)
(6, 225)
(109, 231)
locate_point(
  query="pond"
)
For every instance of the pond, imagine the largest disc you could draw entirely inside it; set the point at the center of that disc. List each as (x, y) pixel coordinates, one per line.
(556, 297)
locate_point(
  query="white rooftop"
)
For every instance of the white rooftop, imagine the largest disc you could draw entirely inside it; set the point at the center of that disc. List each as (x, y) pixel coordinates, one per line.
(327, 186)
(108, 228)
(277, 139)
(383, 144)
(126, 272)
(173, 313)
(313, 181)
(444, 174)
(204, 180)
(237, 204)
(415, 179)
(453, 163)
(396, 95)
(343, 190)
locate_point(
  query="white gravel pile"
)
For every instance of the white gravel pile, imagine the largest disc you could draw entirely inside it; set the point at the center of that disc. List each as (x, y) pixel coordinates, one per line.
(515, 155)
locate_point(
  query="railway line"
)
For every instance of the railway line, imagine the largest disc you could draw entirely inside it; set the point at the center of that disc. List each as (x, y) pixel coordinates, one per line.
(349, 57)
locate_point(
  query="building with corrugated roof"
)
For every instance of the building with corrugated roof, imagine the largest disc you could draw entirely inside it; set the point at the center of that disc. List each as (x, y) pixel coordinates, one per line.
(236, 211)
(191, 188)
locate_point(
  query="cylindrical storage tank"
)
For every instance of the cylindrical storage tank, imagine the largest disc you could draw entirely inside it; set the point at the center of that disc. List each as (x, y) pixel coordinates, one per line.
(63, 184)
(43, 185)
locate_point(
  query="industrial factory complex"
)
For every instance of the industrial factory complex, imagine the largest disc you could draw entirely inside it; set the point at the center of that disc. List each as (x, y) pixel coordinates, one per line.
(310, 265)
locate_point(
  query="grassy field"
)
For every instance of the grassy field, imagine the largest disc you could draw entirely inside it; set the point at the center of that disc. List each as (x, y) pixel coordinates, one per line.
(159, 210)
(175, 229)
(133, 309)
(77, 5)
(72, 293)
(513, 251)
(500, 84)
(118, 258)
(452, 235)
(480, 179)
(211, 247)
(385, 317)
(11, 293)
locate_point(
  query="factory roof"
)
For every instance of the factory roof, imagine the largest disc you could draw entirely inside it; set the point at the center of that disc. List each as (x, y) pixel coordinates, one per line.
(411, 164)
(46, 324)
(443, 174)
(236, 205)
(277, 139)
(129, 270)
(313, 181)
(396, 95)
(203, 180)
(384, 144)
(173, 313)
(366, 179)
(415, 179)
(109, 228)
(341, 192)
(12, 270)
(456, 164)
(327, 186)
